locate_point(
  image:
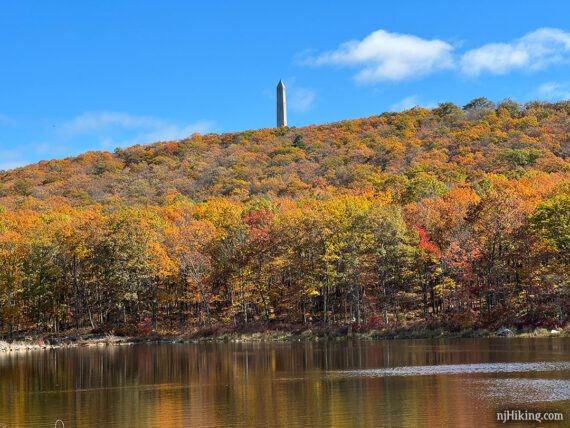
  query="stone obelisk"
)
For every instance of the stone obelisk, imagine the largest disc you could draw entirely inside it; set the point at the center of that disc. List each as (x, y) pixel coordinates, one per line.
(281, 105)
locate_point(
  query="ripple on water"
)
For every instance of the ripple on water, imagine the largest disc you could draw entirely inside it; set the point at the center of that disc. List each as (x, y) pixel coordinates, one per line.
(525, 390)
(457, 369)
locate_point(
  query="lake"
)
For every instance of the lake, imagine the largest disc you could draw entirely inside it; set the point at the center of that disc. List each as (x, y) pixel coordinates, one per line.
(446, 382)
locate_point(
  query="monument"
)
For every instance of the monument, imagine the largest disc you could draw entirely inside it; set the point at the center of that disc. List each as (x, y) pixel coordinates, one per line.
(281, 105)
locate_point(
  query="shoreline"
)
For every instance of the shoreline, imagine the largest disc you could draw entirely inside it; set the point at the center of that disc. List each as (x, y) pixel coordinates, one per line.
(85, 339)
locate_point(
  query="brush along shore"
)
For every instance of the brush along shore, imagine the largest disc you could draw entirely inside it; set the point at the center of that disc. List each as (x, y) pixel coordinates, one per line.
(261, 334)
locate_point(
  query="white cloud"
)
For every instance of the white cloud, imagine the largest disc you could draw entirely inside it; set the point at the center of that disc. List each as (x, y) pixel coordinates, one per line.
(301, 99)
(175, 132)
(50, 149)
(534, 51)
(166, 132)
(405, 103)
(410, 102)
(10, 159)
(117, 129)
(5, 166)
(385, 56)
(108, 129)
(554, 91)
(98, 121)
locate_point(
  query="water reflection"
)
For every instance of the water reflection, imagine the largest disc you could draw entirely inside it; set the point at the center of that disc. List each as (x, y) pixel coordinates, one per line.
(290, 384)
(526, 390)
(458, 369)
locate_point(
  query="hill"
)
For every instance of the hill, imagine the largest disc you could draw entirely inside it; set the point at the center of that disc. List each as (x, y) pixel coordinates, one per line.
(450, 217)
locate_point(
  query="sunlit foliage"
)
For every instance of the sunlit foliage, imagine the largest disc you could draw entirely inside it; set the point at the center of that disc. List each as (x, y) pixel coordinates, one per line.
(453, 216)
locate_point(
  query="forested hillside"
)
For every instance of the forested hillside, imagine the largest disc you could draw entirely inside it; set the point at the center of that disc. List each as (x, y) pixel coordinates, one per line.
(452, 217)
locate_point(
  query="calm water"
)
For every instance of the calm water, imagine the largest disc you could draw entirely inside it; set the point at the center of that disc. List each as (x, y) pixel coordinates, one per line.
(392, 383)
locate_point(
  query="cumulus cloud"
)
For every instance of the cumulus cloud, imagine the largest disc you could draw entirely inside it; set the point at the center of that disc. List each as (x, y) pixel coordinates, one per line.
(384, 56)
(534, 51)
(554, 91)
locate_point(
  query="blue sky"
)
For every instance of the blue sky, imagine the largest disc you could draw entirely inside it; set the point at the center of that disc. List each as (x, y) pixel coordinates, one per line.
(95, 75)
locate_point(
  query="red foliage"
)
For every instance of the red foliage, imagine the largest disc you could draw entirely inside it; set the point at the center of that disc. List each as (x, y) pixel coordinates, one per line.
(426, 244)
